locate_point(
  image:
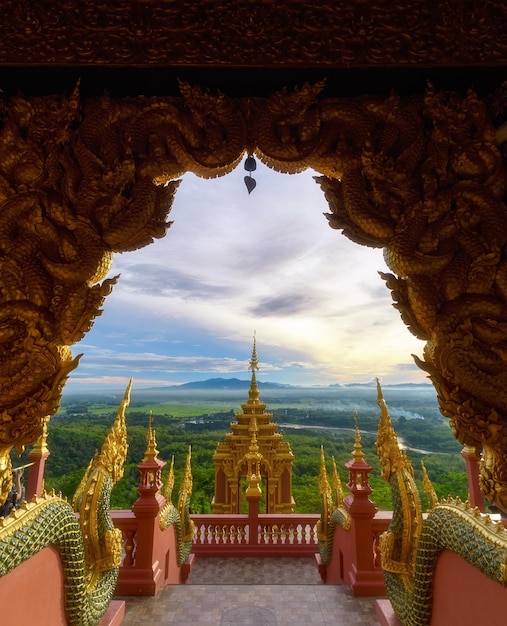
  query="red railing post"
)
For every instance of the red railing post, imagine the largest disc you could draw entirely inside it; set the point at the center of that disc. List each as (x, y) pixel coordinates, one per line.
(37, 458)
(284, 534)
(364, 577)
(253, 497)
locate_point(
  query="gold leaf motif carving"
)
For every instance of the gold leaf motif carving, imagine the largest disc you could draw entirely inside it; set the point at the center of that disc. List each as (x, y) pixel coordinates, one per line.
(241, 33)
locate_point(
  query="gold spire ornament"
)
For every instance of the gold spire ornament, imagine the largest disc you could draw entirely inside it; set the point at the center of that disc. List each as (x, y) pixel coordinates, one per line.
(392, 457)
(326, 500)
(429, 490)
(358, 453)
(337, 486)
(103, 548)
(184, 496)
(151, 453)
(169, 483)
(40, 446)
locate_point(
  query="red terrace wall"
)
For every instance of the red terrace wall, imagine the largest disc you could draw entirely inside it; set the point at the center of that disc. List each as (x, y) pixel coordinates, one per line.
(463, 595)
(33, 592)
(165, 550)
(343, 556)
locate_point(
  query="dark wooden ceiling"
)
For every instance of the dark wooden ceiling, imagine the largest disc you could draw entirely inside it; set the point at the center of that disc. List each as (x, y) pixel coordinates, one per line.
(244, 48)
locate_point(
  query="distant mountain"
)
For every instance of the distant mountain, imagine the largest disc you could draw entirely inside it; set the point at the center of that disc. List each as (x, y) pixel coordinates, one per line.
(228, 383)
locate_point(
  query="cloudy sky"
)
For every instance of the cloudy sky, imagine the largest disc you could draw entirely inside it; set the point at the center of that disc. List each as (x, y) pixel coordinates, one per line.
(186, 307)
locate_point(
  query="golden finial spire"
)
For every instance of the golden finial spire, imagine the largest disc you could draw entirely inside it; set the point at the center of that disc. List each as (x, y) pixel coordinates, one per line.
(253, 392)
(40, 446)
(324, 486)
(429, 490)
(358, 453)
(254, 361)
(337, 485)
(253, 457)
(114, 450)
(326, 499)
(253, 429)
(186, 481)
(151, 453)
(390, 455)
(169, 483)
(185, 493)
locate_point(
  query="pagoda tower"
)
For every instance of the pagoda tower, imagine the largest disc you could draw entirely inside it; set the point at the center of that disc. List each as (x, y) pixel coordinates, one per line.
(253, 434)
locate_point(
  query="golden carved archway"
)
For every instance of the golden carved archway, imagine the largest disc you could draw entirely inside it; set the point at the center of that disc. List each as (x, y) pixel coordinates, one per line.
(421, 177)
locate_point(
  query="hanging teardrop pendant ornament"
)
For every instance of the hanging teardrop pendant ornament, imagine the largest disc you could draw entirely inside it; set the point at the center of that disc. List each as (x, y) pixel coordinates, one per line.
(250, 184)
(250, 166)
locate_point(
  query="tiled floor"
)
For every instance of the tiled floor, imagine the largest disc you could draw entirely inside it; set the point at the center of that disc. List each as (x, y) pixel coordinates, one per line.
(252, 593)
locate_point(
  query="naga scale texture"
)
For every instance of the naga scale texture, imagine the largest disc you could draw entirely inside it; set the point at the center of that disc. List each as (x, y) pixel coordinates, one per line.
(410, 548)
(90, 547)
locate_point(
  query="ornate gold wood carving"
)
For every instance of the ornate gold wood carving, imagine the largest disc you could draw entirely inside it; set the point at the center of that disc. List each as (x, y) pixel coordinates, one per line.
(255, 34)
(421, 177)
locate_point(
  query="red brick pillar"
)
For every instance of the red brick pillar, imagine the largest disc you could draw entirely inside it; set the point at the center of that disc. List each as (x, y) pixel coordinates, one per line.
(37, 457)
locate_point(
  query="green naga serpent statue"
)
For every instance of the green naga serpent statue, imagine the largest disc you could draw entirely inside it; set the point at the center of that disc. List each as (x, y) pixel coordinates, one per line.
(333, 512)
(179, 517)
(90, 547)
(410, 548)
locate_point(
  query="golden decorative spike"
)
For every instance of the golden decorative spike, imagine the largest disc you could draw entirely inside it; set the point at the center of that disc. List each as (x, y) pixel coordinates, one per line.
(429, 489)
(40, 446)
(169, 483)
(358, 453)
(326, 500)
(151, 453)
(253, 429)
(5, 475)
(184, 496)
(323, 478)
(187, 481)
(398, 546)
(103, 545)
(337, 486)
(254, 361)
(388, 450)
(253, 393)
(114, 451)
(253, 458)
(78, 494)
